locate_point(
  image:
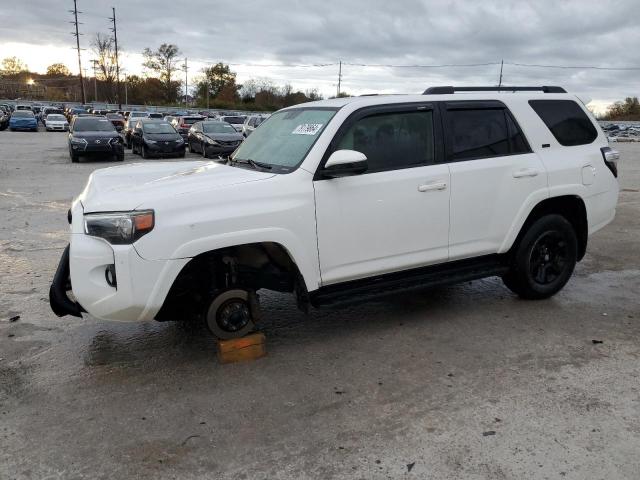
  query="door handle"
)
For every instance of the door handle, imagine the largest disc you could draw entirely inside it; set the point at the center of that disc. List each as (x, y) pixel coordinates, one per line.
(526, 172)
(426, 187)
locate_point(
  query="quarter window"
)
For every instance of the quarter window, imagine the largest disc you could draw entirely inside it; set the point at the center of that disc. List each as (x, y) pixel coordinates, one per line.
(566, 120)
(392, 140)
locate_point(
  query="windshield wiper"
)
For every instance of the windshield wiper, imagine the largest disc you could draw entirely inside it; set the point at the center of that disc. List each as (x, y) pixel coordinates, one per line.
(253, 164)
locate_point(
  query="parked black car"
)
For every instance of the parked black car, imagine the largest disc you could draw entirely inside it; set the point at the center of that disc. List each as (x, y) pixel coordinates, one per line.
(213, 139)
(156, 138)
(94, 136)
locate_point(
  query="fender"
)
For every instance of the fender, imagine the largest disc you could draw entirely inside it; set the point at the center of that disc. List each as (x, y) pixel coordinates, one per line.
(574, 190)
(307, 263)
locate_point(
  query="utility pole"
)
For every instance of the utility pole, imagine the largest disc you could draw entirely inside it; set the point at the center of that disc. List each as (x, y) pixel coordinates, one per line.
(207, 87)
(77, 35)
(115, 40)
(500, 80)
(126, 96)
(95, 80)
(339, 78)
(186, 83)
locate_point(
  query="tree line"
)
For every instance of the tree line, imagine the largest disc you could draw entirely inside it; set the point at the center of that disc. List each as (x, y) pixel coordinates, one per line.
(161, 83)
(629, 109)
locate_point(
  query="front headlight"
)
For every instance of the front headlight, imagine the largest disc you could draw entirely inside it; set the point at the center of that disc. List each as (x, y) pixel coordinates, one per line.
(120, 228)
(151, 141)
(211, 141)
(78, 141)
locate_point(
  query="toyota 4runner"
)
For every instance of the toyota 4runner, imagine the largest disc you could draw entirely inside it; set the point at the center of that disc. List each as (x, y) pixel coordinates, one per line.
(340, 199)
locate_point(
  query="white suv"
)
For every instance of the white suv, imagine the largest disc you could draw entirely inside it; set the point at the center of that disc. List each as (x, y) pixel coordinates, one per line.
(339, 199)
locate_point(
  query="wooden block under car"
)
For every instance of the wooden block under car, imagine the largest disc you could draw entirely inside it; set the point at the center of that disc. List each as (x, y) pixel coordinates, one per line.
(242, 349)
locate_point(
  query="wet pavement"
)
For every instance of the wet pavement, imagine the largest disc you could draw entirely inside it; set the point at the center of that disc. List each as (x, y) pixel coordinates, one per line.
(460, 382)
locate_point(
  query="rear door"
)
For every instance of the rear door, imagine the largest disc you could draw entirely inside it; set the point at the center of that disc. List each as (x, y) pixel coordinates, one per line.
(494, 174)
(395, 216)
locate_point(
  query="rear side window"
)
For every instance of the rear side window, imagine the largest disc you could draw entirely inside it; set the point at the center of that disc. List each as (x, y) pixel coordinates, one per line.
(392, 140)
(566, 120)
(483, 133)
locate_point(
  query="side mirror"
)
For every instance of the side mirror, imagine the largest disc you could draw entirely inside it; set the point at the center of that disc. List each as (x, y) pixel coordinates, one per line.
(137, 131)
(344, 163)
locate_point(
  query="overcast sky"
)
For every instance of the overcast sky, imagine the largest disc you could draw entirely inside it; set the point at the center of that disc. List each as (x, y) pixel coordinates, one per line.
(547, 32)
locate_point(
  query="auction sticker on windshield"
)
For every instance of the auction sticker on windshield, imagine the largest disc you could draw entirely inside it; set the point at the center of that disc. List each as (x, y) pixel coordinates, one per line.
(307, 129)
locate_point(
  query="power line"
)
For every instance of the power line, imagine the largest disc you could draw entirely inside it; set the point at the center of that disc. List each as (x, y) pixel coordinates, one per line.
(443, 65)
(573, 67)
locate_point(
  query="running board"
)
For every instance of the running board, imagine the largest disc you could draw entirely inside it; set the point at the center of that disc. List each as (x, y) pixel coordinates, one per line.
(418, 278)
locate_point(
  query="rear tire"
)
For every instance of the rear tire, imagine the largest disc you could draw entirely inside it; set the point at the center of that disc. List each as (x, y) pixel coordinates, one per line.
(544, 259)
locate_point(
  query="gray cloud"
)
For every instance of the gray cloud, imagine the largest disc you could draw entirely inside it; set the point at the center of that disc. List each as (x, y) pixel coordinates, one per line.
(367, 31)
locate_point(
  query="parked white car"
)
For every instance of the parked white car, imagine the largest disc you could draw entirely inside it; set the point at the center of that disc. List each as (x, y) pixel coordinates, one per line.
(251, 123)
(56, 121)
(344, 198)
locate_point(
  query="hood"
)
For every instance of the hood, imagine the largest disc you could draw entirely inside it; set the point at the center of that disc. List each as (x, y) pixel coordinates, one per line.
(224, 137)
(126, 187)
(162, 137)
(96, 134)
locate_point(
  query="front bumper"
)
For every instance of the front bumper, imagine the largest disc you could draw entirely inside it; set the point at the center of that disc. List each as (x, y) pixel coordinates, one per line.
(24, 126)
(168, 149)
(108, 148)
(140, 288)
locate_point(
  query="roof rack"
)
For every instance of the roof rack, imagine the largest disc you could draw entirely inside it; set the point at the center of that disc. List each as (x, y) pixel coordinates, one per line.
(450, 90)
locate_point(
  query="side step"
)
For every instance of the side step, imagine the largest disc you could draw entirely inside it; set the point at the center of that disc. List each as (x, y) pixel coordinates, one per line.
(424, 277)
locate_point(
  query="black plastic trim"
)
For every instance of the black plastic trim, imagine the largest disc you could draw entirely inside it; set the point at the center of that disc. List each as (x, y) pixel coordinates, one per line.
(60, 303)
(424, 277)
(448, 90)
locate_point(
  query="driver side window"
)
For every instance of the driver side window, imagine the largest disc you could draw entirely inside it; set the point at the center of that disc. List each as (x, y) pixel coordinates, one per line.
(393, 140)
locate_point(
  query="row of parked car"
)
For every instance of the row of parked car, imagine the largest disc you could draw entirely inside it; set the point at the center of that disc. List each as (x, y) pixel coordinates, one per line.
(150, 136)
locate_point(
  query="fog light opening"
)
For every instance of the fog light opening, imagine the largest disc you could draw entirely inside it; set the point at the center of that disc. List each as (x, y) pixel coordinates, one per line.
(110, 275)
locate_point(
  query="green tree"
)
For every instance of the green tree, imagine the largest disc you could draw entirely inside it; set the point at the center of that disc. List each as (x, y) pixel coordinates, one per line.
(164, 63)
(58, 70)
(217, 79)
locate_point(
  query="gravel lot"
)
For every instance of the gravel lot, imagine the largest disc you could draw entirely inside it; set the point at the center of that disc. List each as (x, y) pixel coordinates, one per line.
(460, 382)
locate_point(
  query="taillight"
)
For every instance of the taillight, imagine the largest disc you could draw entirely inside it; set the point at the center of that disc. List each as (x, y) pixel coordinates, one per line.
(184, 125)
(611, 157)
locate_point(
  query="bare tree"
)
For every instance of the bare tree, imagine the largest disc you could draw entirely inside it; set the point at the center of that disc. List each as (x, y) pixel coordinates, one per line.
(104, 50)
(164, 63)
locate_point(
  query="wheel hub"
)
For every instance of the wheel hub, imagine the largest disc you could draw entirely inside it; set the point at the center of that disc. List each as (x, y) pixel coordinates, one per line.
(233, 315)
(548, 258)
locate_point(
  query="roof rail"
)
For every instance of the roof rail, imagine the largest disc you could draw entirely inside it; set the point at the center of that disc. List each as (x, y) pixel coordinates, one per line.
(450, 90)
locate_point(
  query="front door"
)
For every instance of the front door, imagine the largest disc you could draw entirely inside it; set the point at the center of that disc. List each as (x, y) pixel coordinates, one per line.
(395, 216)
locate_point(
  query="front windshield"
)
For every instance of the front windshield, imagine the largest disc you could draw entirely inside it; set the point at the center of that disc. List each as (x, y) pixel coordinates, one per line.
(93, 125)
(159, 128)
(22, 113)
(217, 127)
(285, 138)
(55, 117)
